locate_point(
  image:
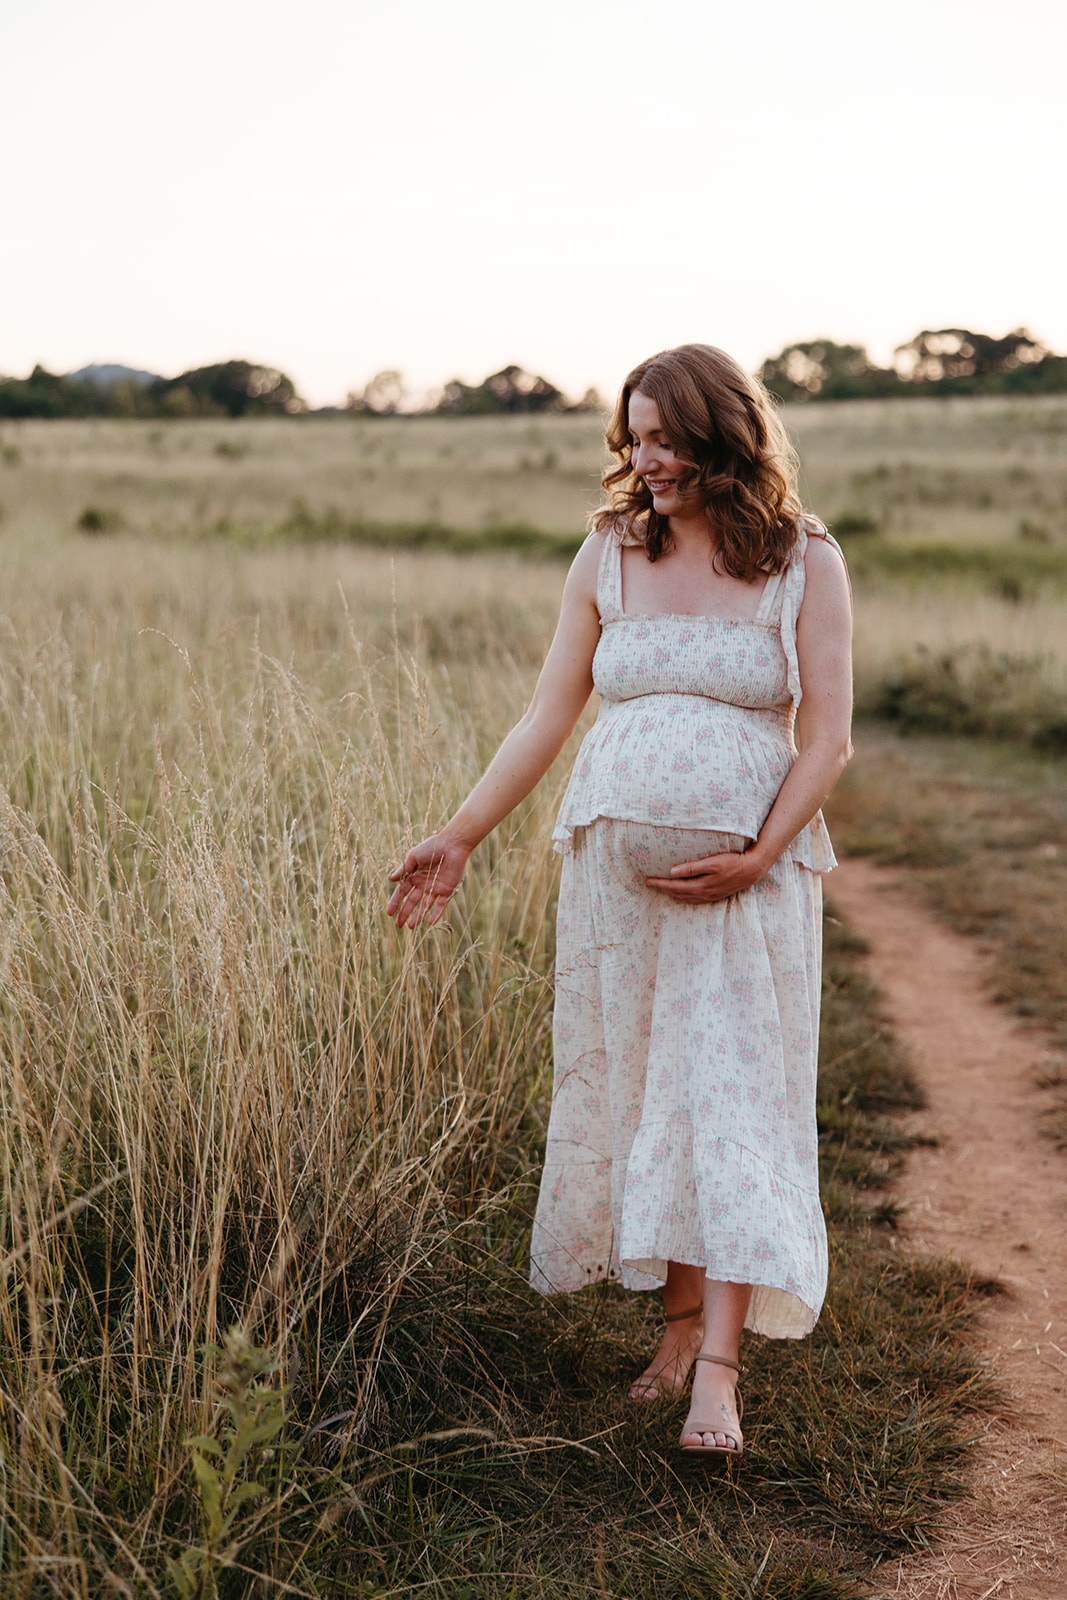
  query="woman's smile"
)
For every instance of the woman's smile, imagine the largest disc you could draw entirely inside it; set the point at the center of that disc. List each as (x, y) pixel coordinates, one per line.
(653, 456)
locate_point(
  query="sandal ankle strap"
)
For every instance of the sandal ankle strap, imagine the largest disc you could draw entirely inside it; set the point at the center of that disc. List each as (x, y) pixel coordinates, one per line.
(720, 1361)
(683, 1316)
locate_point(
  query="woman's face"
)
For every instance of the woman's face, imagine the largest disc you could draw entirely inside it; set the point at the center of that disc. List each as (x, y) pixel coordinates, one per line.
(653, 458)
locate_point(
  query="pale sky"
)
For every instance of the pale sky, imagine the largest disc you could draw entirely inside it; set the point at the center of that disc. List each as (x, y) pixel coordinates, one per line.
(335, 187)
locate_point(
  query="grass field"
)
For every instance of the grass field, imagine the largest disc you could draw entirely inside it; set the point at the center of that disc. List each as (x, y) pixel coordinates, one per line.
(234, 1097)
(977, 471)
(954, 514)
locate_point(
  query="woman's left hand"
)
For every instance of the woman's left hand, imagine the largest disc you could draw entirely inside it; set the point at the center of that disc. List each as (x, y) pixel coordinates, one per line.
(698, 883)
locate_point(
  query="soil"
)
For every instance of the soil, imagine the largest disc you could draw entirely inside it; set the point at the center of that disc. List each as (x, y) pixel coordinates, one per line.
(993, 1194)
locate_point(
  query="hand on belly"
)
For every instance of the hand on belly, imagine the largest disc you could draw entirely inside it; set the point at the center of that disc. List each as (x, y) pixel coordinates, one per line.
(713, 878)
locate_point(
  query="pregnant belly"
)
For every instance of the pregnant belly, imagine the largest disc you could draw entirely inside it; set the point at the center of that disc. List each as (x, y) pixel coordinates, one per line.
(639, 850)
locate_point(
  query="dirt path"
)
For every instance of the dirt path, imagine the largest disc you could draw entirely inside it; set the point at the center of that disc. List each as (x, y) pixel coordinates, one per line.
(992, 1194)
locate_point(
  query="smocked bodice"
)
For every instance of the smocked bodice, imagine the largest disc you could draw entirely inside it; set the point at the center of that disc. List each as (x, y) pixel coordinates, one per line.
(696, 715)
(727, 659)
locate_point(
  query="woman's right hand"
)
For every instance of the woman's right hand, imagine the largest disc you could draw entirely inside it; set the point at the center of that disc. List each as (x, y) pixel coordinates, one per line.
(426, 881)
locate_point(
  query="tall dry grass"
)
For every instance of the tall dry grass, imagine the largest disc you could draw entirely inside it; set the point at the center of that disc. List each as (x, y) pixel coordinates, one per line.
(225, 1076)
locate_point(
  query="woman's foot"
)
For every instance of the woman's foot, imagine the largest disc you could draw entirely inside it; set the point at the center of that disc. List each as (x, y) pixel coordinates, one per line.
(669, 1369)
(714, 1421)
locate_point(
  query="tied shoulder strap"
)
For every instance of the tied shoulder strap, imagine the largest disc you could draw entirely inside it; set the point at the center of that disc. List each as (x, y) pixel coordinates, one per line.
(609, 576)
(793, 595)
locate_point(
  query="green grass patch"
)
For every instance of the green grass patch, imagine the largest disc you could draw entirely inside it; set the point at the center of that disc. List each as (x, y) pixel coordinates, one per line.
(973, 689)
(1012, 572)
(303, 526)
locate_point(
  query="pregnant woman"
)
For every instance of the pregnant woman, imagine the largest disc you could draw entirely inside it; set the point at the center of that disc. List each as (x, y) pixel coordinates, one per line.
(714, 620)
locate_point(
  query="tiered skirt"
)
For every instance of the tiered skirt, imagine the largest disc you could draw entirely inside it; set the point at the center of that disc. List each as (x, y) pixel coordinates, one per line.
(683, 1115)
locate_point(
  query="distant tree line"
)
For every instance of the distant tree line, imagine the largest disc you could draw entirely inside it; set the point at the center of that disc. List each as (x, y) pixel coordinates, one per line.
(509, 392)
(943, 361)
(228, 389)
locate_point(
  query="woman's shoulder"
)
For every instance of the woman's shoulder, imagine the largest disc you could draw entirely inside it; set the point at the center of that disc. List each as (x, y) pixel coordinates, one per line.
(816, 545)
(584, 571)
(617, 526)
(822, 559)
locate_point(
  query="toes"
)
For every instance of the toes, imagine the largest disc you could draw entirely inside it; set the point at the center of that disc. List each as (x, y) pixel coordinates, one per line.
(707, 1439)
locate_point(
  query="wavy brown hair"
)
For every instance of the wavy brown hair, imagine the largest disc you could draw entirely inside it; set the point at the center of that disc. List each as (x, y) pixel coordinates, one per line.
(724, 426)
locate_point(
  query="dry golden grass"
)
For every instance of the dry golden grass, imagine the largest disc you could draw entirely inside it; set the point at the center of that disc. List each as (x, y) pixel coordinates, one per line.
(222, 1067)
(182, 479)
(946, 616)
(974, 470)
(231, 1093)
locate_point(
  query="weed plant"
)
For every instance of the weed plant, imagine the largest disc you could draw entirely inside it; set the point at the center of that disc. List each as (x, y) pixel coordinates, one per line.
(266, 1166)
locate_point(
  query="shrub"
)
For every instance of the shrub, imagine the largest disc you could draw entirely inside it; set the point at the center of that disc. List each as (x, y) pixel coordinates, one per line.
(100, 519)
(855, 524)
(973, 689)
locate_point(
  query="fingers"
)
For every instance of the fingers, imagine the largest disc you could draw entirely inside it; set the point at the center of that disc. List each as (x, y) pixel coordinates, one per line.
(708, 864)
(703, 890)
(411, 864)
(707, 881)
(417, 898)
(403, 903)
(414, 905)
(425, 882)
(684, 888)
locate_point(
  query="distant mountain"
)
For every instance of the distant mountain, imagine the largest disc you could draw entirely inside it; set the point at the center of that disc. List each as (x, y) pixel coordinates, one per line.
(107, 376)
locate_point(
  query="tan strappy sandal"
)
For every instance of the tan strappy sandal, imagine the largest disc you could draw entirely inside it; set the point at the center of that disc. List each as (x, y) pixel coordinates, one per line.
(650, 1388)
(737, 1448)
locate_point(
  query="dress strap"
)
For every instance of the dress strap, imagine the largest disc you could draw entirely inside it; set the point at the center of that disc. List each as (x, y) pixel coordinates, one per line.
(770, 601)
(609, 577)
(777, 587)
(793, 594)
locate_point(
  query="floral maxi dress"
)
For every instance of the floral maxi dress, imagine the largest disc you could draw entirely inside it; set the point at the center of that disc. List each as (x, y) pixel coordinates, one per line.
(683, 1112)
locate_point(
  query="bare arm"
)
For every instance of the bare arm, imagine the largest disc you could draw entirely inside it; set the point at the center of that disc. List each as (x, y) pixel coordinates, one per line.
(824, 653)
(431, 872)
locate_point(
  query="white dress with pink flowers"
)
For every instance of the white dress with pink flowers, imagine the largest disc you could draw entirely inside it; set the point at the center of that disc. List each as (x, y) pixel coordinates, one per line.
(683, 1113)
